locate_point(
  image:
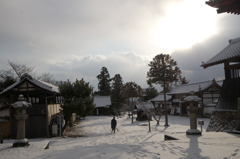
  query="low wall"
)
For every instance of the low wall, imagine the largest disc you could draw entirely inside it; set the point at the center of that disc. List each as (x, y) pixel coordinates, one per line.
(5, 129)
(223, 121)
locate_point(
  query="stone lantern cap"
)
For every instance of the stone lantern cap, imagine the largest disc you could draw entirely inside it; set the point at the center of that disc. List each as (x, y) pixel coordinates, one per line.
(21, 103)
(192, 98)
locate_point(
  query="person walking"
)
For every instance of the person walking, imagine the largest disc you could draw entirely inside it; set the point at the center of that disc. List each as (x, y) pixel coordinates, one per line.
(113, 124)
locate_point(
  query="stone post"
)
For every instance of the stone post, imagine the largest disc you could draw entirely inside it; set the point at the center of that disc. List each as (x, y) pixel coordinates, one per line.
(192, 101)
(193, 115)
(20, 117)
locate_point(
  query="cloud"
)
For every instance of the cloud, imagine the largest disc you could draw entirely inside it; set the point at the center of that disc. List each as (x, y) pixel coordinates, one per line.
(75, 39)
(129, 65)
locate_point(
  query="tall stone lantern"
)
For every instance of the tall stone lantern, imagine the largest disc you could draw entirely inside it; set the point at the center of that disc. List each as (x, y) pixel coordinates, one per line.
(21, 105)
(192, 101)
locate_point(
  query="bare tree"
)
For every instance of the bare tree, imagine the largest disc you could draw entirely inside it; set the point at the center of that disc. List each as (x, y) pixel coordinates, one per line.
(21, 69)
(148, 111)
(48, 77)
(155, 113)
(158, 112)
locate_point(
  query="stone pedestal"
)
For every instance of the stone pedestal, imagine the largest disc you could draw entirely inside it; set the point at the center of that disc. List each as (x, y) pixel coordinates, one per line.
(21, 116)
(193, 122)
(21, 140)
(193, 109)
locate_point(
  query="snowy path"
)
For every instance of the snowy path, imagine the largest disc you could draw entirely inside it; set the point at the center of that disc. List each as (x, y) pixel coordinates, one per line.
(132, 142)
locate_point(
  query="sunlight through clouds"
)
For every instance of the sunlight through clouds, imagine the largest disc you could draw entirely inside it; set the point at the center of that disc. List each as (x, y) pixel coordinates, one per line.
(184, 24)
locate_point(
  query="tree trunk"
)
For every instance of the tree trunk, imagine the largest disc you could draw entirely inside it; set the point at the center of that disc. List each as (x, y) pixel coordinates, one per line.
(165, 104)
(65, 125)
(149, 125)
(132, 110)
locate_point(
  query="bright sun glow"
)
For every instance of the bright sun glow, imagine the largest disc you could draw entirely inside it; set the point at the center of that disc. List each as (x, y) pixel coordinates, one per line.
(184, 25)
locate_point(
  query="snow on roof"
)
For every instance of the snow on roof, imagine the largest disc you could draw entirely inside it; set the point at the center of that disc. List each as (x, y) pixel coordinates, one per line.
(53, 87)
(144, 105)
(230, 53)
(44, 85)
(102, 101)
(186, 88)
(160, 98)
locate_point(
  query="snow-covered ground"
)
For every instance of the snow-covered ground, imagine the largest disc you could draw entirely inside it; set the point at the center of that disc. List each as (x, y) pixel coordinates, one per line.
(130, 142)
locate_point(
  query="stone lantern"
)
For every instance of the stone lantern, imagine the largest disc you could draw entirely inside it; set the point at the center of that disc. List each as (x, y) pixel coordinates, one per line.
(192, 101)
(21, 105)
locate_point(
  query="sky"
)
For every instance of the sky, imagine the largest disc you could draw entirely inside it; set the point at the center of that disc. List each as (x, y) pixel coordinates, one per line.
(74, 39)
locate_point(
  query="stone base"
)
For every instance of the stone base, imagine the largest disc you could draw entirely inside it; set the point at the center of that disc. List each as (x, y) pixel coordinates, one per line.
(193, 132)
(21, 143)
(223, 121)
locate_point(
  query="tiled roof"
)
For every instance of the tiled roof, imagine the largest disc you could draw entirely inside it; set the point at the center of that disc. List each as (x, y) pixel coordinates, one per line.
(53, 87)
(44, 85)
(160, 98)
(229, 6)
(186, 88)
(230, 53)
(102, 101)
(144, 105)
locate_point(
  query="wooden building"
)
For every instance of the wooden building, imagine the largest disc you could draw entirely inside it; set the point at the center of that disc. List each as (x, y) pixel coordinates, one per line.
(158, 102)
(230, 57)
(208, 91)
(45, 100)
(142, 110)
(102, 105)
(227, 107)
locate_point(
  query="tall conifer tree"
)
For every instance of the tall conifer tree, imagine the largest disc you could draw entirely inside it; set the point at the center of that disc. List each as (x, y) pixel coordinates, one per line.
(163, 70)
(116, 97)
(104, 86)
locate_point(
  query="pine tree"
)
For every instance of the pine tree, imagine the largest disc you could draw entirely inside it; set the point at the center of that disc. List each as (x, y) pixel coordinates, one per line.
(104, 82)
(151, 92)
(163, 70)
(78, 98)
(116, 98)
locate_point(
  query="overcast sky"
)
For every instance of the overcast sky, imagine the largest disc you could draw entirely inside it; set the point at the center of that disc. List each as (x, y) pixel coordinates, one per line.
(76, 38)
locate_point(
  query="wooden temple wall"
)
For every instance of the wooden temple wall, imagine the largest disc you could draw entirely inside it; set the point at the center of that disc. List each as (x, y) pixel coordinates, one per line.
(52, 110)
(229, 94)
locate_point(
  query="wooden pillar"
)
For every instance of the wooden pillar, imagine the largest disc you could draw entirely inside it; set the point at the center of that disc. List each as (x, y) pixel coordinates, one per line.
(227, 70)
(46, 103)
(238, 119)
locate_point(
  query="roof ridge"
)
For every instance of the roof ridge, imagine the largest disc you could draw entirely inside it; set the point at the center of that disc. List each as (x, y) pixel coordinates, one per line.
(232, 41)
(195, 83)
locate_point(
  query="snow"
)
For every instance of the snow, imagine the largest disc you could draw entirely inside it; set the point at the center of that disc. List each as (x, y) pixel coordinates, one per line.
(131, 141)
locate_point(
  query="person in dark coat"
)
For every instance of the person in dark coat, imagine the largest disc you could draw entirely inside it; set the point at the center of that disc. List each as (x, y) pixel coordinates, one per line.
(113, 124)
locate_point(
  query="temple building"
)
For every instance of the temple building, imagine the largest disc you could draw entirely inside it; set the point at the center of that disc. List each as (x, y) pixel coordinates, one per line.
(226, 112)
(45, 99)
